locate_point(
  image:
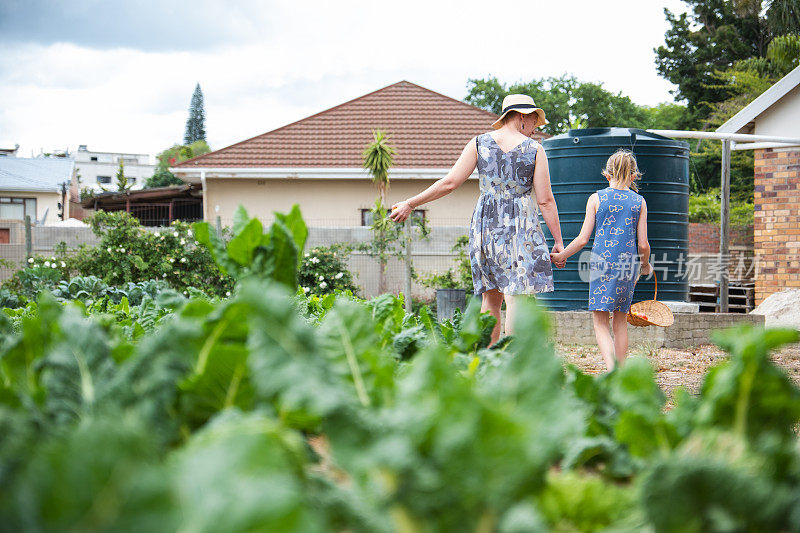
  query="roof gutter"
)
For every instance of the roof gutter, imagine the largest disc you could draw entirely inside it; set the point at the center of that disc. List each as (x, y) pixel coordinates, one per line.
(357, 173)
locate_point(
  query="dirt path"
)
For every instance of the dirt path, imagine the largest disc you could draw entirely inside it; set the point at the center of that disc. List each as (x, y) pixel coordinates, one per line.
(676, 367)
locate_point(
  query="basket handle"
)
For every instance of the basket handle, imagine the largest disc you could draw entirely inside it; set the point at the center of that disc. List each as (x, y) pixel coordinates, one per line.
(655, 279)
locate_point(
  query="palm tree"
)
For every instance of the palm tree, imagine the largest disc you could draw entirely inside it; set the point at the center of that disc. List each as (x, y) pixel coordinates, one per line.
(378, 159)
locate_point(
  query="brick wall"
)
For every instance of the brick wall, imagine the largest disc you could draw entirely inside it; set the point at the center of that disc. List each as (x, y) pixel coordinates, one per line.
(777, 220)
(704, 238)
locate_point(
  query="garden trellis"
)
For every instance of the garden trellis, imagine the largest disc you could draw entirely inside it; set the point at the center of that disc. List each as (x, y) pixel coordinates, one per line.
(730, 141)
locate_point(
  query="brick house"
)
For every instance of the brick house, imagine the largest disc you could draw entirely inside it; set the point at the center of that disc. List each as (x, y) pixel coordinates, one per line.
(317, 163)
(777, 184)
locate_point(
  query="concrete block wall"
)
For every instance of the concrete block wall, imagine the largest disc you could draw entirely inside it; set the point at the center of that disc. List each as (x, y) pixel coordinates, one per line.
(689, 329)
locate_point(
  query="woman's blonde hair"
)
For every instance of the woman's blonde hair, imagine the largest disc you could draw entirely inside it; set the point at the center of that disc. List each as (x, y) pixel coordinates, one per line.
(621, 167)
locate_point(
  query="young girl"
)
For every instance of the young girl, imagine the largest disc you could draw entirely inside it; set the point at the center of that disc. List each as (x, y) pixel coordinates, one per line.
(620, 216)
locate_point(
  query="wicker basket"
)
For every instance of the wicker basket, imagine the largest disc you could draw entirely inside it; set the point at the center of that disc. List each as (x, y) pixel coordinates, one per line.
(651, 312)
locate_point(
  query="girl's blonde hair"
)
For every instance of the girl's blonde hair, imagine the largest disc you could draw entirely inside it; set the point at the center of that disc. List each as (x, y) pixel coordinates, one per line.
(621, 167)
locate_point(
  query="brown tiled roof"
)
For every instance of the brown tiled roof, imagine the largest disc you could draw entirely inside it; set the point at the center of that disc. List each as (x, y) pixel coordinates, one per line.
(427, 129)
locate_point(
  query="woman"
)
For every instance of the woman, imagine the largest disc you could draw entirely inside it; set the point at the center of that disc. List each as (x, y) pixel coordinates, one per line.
(508, 252)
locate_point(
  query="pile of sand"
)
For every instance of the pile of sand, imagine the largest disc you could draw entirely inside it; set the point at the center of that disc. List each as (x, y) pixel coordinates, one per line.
(781, 309)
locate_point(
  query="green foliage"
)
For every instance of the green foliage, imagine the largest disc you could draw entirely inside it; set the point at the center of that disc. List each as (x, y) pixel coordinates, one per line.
(386, 239)
(706, 208)
(253, 253)
(162, 178)
(272, 411)
(711, 37)
(196, 123)
(323, 270)
(179, 153)
(569, 102)
(378, 159)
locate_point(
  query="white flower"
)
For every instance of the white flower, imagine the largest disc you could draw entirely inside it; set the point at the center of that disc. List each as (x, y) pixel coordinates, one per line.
(339, 275)
(108, 249)
(171, 259)
(306, 255)
(314, 260)
(164, 275)
(196, 243)
(35, 265)
(183, 241)
(322, 278)
(189, 233)
(175, 234)
(161, 236)
(227, 293)
(122, 250)
(306, 289)
(63, 264)
(52, 259)
(30, 260)
(323, 285)
(185, 293)
(183, 259)
(47, 263)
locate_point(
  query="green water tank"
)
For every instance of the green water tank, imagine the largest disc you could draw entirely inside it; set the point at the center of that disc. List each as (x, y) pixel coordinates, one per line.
(576, 160)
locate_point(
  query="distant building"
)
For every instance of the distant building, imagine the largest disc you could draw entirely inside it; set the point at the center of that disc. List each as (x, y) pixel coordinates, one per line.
(316, 162)
(96, 169)
(9, 152)
(35, 187)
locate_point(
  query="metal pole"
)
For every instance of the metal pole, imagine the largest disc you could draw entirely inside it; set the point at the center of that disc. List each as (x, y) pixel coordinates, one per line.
(219, 226)
(28, 239)
(724, 223)
(408, 265)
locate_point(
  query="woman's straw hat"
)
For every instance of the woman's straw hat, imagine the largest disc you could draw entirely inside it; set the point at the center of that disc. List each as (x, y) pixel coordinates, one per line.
(522, 103)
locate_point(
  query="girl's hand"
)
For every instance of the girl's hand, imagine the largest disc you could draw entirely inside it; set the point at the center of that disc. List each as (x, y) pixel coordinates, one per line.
(557, 256)
(401, 211)
(646, 269)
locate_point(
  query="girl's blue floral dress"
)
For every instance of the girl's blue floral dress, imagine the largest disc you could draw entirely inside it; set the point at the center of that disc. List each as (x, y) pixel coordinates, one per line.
(506, 245)
(614, 264)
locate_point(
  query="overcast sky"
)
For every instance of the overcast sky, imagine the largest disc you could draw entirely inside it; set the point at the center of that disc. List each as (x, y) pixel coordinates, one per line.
(118, 76)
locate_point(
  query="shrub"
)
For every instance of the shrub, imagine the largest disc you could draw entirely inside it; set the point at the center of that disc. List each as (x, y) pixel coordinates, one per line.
(706, 208)
(128, 253)
(323, 271)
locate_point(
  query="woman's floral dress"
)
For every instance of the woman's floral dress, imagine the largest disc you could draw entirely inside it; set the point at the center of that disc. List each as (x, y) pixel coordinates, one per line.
(506, 244)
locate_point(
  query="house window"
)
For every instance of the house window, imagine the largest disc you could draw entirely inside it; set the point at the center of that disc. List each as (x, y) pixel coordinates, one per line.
(131, 180)
(103, 179)
(366, 216)
(93, 158)
(17, 208)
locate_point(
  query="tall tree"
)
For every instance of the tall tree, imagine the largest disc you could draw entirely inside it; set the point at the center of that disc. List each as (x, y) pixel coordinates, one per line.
(567, 101)
(378, 159)
(711, 37)
(196, 123)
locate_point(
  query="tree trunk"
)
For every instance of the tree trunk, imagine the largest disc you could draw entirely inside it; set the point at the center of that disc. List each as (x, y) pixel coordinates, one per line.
(381, 277)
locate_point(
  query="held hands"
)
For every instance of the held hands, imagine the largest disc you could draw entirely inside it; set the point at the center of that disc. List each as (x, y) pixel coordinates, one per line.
(558, 257)
(400, 211)
(646, 269)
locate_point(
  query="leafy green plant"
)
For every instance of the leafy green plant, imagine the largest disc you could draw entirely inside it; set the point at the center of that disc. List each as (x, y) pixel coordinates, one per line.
(706, 208)
(252, 253)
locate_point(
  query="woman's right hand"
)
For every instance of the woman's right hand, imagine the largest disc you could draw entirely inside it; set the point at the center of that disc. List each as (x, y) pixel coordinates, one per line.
(646, 269)
(401, 211)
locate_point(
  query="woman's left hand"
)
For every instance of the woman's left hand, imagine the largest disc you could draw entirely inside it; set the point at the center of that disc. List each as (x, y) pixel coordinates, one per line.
(401, 211)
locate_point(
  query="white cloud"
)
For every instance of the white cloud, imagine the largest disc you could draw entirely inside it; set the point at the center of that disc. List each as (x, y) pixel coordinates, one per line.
(124, 99)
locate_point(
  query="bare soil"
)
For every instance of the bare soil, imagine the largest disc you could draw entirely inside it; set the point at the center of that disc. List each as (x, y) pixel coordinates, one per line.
(676, 368)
